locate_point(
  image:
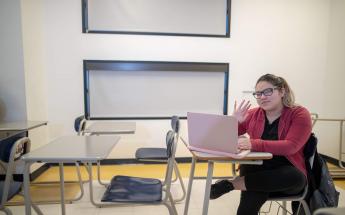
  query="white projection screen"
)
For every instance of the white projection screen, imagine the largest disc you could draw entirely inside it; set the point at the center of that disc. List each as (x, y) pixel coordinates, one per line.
(153, 90)
(175, 17)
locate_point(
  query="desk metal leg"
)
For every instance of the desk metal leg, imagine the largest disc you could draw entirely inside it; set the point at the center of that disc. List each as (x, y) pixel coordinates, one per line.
(208, 187)
(27, 198)
(341, 153)
(284, 208)
(190, 183)
(62, 189)
(26, 186)
(99, 174)
(91, 186)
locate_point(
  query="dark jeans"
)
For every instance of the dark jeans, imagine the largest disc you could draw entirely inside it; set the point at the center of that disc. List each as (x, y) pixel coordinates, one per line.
(263, 181)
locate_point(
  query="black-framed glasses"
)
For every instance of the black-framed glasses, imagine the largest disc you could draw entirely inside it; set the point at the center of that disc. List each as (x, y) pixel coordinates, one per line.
(265, 92)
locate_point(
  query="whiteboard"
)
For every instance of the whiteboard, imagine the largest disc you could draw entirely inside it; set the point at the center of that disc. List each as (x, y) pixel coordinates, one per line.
(126, 91)
(187, 17)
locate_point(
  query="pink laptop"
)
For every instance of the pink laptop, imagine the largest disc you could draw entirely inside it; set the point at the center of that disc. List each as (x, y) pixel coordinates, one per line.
(214, 134)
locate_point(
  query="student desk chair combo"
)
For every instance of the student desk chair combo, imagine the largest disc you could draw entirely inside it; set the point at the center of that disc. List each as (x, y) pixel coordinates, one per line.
(13, 145)
(101, 127)
(68, 149)
(136, 190)
(251, 158)
(159, 154)
(11, 164)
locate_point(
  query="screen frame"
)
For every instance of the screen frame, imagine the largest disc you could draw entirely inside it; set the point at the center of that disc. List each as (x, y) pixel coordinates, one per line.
(85, 28)
(114, 65)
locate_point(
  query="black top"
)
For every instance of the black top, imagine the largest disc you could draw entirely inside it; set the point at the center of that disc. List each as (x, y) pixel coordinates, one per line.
(271, 133)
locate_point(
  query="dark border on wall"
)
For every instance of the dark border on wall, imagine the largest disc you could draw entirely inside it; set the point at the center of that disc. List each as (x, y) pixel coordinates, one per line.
(85, 27)
(332, 160)
(149, 66)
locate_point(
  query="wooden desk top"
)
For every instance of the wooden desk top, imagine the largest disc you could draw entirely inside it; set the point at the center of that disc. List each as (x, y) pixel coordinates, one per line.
(110, 127)
(20, 125)
(249, 157)
(69, 149)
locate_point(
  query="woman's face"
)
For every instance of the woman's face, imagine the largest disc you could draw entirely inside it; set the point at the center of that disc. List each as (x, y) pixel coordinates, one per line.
(268, 96)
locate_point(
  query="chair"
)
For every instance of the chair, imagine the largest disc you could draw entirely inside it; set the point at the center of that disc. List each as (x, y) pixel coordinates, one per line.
(309, 153)
(156, 154)
(13, 148)
(330, 211)
(79, 127)
(135, 190)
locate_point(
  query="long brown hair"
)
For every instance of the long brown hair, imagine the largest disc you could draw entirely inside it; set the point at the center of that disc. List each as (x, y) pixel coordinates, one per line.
(279, 82)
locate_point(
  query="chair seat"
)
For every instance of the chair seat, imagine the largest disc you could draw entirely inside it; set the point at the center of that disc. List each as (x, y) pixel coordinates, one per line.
(133, 190)
(14, 189)
(281, 196)
(151, 153)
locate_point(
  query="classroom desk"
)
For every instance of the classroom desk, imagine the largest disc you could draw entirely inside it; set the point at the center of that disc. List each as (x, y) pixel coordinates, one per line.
(9, 129)
(101, 127)
(15, 129)
(110, 127)
(20, 125)
(68, 149)
(251, 158)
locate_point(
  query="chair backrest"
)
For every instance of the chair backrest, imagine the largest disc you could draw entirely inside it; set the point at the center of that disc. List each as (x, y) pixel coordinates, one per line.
(7, 145)
(79, 124)
(314, 117)
(19, 148)
(170, 143)
(310, 150)
(175, 124)
(171, 149)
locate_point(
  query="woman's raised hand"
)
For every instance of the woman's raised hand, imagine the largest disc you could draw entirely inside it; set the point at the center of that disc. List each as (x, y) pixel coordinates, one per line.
(241, 112)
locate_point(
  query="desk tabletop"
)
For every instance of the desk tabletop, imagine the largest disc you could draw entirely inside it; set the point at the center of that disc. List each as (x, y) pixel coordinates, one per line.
(20, 125)
(74, 148)
(111, 127)
(250, 156)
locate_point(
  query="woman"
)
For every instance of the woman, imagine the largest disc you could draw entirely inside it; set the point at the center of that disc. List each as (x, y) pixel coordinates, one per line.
(278, 126)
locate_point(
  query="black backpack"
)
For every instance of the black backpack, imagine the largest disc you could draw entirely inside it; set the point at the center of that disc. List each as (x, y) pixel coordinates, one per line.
(322, 192)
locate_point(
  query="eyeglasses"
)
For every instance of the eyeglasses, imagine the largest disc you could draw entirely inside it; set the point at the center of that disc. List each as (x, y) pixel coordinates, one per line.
(265, 92)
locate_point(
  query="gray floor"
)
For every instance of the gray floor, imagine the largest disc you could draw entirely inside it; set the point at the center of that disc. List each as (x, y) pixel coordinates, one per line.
(226, 205)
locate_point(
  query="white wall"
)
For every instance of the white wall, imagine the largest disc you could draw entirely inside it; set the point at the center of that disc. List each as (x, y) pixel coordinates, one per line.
(333, 85)
(12, 82)
(296, 39)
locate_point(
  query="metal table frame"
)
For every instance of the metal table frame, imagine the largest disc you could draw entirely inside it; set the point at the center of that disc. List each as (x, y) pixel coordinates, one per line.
(68, 149)
(252, 158)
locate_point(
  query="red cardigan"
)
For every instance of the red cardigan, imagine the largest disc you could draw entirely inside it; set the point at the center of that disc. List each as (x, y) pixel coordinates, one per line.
(294, 130)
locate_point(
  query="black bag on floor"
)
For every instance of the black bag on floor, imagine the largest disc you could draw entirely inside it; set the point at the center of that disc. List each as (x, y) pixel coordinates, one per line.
(323, 193)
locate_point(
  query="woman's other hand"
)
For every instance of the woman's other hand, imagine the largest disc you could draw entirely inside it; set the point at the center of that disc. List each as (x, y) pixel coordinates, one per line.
(241, 112)
(244, 143)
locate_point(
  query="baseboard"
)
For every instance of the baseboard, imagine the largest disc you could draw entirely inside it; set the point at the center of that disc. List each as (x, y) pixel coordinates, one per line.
(332, 160)
(39, 171)
(121, 161)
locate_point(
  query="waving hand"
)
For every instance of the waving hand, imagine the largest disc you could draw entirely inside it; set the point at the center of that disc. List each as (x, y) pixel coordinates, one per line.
(241, 111)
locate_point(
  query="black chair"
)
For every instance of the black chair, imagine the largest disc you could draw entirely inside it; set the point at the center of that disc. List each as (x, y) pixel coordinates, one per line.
(156, 154)
(135, 190)
(309, 153)
(12, 149)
